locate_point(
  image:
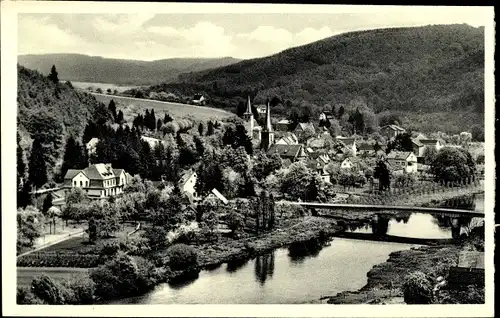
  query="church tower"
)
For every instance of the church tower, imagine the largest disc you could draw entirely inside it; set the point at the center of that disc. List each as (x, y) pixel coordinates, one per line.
(248, 117)
(267, 135)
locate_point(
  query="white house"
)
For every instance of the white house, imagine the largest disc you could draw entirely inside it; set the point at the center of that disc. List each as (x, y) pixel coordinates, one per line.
(97, 180)
(435, 143)
(199, 99)
(405, 159)
(153, 142)
(288, 139)
(187, 182)
(350, 163)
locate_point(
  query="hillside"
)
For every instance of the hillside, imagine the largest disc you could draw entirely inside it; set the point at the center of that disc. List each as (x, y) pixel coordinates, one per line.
(438, 68)
(51, 112)
(84, 68)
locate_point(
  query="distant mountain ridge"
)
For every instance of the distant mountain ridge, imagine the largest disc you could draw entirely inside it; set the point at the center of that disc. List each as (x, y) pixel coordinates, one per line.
(429, 69)
(85, 68)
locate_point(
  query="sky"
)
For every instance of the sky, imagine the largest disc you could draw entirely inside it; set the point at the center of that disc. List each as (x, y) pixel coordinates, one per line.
(152, 36)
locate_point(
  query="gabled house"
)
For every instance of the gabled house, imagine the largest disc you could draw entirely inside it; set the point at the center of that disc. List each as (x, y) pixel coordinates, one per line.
(153, 142)
(407, 160)
(418, 147)
(283, 125)
(97, 180)
(366, 149)
(291, 152)
(288, 139)
(199, 99)
(435, 143)
(302, 127)
(350, 163)
(349, 143)
(316, 143)
(391, 131)
(187, 182)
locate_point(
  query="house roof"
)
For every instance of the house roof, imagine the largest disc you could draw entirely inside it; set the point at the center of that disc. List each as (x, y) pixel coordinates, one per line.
(118, 172)
(417, 142)
(92, 142)
(303, 126)
(366, 146)
(99, 171)
(185, 176)
(393, 127)
(353, 159)
(398, 155)
(288, 151)
(197, 96)
(71, 173)
(316, 142)
(219, 195)
(428, 141)
(347, 141)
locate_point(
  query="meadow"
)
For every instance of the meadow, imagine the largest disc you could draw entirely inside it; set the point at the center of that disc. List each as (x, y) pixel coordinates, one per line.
(25, 275)
(103, 86)
(133, 106)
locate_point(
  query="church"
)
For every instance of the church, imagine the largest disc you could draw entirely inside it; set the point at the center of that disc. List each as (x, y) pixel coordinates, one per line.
(264, 135)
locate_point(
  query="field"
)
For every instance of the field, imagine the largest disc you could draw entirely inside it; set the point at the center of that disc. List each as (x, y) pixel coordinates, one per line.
(132, 106)
(26, 274)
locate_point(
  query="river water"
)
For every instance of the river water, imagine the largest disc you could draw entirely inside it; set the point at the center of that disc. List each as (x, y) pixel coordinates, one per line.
(280, 278)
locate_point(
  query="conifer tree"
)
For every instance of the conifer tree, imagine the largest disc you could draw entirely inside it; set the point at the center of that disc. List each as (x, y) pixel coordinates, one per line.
(210, 128)
(200, 129)
(37, 166)
(53, 76)
(112, 109)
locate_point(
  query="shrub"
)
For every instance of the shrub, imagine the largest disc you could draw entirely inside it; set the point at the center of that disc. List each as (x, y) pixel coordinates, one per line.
(123, 276)
(289, 211)
(26, 297)
(83, 289)
(182, 256)
(110, 248)
(48, 290)
(156, 237)
(417, 288)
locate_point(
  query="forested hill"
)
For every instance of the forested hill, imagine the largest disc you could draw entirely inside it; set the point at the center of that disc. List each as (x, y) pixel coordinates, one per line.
(51, 112)
(436, 68)
(84, 68)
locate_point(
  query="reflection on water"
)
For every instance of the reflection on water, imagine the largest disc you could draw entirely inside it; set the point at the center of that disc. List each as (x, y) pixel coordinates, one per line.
(276, 278)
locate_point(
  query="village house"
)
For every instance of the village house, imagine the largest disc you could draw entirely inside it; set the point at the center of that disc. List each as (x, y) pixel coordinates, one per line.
(366, 149)
(302, 127)
(435, 143)
(316, 142)
(418, 147)
(349, 143)
(288, 139)
(350, 163)
(98, 180)
(187, 183)
(199, 99)
(92, 145)
(407, 160)
(391, 131)
(283, 125)
(261, 109)
(318, 164)
(153, 142)
(290, 152)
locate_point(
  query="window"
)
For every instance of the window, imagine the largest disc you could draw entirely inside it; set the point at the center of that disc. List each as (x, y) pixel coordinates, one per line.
(74, 183)
(86, 183)
(81, 183)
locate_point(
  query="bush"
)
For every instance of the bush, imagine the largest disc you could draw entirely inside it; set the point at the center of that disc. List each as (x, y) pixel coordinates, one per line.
(82, 288)
(181, 257)
(48, 290)
(26, 297)
(123, 276)
(417, 288)
(288, 211)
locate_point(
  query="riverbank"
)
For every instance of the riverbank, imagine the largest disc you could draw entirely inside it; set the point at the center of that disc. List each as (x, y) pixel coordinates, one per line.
(385, 281)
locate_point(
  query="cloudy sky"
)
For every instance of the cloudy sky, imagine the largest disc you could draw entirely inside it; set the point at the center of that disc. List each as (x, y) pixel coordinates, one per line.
(149, 36)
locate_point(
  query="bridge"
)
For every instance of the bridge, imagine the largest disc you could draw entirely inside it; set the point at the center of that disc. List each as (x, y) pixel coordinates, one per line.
(370, 208)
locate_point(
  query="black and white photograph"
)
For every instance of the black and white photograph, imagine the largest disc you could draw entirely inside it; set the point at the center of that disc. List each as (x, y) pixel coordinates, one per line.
(244, 154)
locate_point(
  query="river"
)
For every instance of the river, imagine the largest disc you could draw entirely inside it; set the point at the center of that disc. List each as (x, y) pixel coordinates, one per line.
(280, 278)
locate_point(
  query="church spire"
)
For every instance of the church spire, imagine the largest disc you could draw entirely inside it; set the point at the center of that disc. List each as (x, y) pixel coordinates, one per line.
(268, 126)
(249, 107)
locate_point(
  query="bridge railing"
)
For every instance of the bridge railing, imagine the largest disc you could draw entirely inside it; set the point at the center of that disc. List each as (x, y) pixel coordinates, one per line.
(398, 193)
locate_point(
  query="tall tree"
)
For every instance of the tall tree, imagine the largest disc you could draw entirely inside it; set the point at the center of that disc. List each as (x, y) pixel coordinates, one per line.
(167, 118)
(119, 117)
(383, 175)
(200, 129)
(74, 156)
(159, 123)
(112, 109)
(210, 128)
(37, 166)
(241, 139)
(47, 203)
(53, 76)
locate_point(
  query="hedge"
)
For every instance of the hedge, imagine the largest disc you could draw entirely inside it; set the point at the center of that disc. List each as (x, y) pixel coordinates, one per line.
(59, 260)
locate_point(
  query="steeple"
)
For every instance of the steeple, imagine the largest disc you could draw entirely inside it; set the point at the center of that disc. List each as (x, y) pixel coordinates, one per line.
(267, 134)
(248, 117)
